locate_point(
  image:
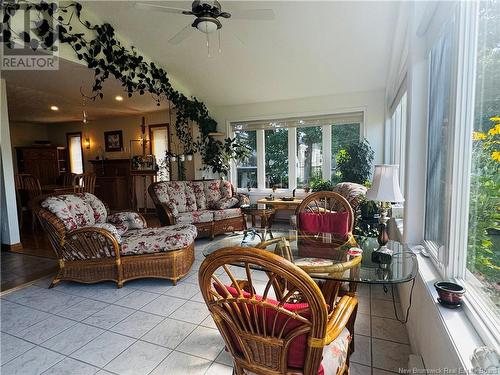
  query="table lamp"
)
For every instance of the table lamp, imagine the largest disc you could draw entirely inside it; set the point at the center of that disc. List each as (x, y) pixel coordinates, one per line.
(384, 189)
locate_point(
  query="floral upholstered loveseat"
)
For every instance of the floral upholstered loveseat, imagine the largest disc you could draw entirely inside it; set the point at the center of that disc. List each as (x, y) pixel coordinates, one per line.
(93, 245)
(211, 205)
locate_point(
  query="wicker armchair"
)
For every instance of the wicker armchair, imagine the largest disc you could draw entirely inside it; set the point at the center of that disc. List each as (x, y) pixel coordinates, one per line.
(269, 336)
(327, 204)
(93, 246)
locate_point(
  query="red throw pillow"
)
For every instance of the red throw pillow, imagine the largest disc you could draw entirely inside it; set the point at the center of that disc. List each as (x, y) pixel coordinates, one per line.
(296, 352)
(328, 222)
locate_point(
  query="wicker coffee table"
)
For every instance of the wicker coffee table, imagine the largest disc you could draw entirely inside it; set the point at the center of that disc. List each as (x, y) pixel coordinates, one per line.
(266, 214)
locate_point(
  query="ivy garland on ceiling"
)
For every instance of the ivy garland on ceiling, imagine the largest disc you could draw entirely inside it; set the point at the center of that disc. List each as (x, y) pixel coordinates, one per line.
(102, 52)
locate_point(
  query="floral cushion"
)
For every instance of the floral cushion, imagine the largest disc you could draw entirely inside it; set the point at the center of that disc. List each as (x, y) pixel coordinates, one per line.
(110, 228)
(226, 189)
(154, 240)
(100, 211)
(202, 216)
(226, 214)
(225, 203)
(199, 193)
(212, 192)
(71, 209)
(161, 192)
(190, 198)
(177, 194)
(335, 354)
(124, 221)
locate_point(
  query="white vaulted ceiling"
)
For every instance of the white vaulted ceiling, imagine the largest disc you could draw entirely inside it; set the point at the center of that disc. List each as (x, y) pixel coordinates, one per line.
(310, 49)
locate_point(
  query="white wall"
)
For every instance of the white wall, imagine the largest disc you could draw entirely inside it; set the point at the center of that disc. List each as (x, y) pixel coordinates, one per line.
(9, 223)
(372, 102)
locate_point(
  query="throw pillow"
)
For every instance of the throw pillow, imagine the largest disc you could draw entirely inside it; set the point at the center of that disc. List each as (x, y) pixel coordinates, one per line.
(225, 203)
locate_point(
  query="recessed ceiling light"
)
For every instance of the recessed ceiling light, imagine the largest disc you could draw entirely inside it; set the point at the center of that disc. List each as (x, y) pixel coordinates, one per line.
(118, 98)
(54, 108)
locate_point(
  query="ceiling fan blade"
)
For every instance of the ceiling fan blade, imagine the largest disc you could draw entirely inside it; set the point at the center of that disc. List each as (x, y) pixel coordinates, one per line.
(253, 14)
(161, 8)
(185, 33)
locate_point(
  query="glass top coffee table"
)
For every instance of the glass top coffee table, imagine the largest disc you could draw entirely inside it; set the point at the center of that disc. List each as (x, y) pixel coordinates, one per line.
(325, 257)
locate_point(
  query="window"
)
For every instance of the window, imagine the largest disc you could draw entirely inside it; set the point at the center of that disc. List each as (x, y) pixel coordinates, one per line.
(483, 244)
(439, 144)
(276, 146)
(246, 170)
(75, 152)
(398, 138)
(309, 154)
(291, 152)
(159, 137)
(342, 136)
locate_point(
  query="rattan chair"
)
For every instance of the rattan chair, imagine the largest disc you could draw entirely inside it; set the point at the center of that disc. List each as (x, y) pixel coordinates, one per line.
(85, 183)
(268, 336)
(68, 179)
(28, 185)
(326, 202)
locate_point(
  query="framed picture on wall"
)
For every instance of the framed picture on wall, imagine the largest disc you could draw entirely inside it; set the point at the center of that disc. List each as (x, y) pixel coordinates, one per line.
(113, 140)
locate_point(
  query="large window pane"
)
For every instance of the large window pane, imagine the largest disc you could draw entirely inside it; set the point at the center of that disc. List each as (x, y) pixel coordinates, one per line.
(309, 154)
(439, 142)
(75, 152)
(159, 139)
(276, 150)
(483, 251)
(342, 136)
(246, 170)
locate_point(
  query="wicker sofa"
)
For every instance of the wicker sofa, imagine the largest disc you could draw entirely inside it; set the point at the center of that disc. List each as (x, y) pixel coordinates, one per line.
(211, 205)
(94, 246)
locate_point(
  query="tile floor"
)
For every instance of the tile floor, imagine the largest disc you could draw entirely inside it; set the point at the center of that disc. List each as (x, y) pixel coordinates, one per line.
(152, 327)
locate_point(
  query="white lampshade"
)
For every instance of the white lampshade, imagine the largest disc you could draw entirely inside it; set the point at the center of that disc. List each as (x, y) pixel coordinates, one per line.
(385, 184)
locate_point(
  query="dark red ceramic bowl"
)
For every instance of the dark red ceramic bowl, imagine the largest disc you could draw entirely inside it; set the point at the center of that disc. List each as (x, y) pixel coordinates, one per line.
(449, 293)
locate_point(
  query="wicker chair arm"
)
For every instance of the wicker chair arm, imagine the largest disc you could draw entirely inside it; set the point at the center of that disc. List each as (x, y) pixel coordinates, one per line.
(169, 215)
(339, 318)
(89, 243)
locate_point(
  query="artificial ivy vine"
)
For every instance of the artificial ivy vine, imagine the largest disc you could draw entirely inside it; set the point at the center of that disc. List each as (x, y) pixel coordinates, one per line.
(103, 53)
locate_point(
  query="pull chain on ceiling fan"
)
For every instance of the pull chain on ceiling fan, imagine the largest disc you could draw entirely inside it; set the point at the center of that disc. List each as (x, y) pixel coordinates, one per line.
(206, 21)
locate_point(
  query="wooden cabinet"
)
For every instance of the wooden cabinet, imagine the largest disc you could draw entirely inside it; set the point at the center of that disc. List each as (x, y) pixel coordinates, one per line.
(113, 182)
(44, 162)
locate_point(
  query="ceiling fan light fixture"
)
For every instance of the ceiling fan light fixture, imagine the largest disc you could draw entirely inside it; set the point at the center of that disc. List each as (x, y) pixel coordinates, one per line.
(207, 25)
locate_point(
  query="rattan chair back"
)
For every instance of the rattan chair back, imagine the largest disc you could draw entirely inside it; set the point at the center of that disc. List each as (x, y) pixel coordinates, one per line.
(85, 183)
(323, 202)
(257, 330)
(31, 185)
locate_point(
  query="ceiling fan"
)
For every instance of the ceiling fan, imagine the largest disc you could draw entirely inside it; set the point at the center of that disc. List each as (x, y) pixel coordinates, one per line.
(207, 15)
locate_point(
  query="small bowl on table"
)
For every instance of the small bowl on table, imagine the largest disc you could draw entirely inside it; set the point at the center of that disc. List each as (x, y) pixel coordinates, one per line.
(450, 294)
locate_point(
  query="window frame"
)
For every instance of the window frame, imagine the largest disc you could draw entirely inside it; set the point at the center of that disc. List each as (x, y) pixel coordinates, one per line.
(453, 263)
(441, 259)
(292, 147)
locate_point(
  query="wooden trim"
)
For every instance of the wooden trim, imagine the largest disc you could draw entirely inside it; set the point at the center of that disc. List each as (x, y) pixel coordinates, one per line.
(68, 136)
(15, 247)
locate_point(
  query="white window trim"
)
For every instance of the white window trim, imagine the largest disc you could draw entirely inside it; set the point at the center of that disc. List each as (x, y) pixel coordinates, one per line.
(292, 149)
(453, 264)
